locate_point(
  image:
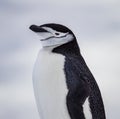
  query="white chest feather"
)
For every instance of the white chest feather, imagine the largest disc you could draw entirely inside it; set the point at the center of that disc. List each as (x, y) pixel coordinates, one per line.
(50, 85)
(87, 110)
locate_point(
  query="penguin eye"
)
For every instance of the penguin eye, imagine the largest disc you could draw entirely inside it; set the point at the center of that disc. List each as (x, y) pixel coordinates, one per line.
(57, 34)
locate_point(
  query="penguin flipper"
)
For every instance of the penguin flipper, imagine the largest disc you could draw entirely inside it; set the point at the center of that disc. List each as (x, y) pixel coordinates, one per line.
(78, 90)
(83, 73)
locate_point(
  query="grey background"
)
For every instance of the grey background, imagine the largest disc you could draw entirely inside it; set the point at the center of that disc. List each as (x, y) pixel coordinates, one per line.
(96, 25)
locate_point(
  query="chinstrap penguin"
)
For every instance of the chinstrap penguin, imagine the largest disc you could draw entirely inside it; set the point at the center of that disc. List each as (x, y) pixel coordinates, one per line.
(61, 79)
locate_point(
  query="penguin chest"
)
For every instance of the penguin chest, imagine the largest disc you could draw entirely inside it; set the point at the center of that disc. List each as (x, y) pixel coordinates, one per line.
(50, 85)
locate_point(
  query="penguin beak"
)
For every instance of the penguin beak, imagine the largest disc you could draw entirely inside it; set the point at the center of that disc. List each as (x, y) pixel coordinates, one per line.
(41, 32)
(36, 28)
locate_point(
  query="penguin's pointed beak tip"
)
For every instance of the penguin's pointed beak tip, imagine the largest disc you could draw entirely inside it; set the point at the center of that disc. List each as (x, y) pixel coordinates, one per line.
(33, 27)
(36, 28)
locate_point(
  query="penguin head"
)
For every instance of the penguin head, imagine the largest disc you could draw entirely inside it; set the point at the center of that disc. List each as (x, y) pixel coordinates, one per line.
(53, 34)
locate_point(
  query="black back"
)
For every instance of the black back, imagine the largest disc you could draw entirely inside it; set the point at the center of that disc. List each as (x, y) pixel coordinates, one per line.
(80, 81)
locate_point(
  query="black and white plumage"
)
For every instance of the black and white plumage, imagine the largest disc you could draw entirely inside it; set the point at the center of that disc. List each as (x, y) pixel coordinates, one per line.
(61, 79)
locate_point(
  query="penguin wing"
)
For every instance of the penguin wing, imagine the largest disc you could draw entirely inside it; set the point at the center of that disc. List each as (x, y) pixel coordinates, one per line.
(77, 86)
(86, 82)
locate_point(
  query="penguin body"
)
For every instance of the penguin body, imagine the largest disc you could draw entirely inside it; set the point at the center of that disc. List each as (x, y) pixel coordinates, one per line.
(61, 79)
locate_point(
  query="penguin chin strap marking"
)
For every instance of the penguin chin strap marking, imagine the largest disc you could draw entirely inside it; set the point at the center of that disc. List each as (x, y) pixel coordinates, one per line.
(54, 37)
(57, 41)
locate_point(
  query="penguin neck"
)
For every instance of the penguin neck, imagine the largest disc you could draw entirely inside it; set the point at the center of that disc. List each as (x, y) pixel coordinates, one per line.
(47, 49)
(68, 49)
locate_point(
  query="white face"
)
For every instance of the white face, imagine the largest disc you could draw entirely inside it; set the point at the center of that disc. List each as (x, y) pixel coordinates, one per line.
(54, 38)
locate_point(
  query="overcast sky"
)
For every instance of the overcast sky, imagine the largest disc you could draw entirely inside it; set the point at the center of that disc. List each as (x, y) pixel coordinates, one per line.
(96, 25)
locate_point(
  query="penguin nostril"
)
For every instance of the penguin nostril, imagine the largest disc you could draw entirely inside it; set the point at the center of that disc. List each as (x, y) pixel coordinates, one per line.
(56, 33)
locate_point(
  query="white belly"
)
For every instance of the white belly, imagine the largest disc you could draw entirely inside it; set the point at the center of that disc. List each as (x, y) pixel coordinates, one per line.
(50, 86)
